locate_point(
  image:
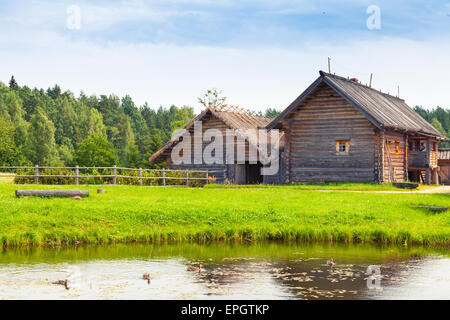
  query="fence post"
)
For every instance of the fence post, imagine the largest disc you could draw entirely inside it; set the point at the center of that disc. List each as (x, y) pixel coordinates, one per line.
(207, 177)
(36, 174)
(140, 176)
(164, 176)
(115, 174)
(76, 174)
(187, 178)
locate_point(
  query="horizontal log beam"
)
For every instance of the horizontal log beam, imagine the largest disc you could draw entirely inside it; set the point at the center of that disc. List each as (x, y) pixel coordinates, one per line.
(52, 193)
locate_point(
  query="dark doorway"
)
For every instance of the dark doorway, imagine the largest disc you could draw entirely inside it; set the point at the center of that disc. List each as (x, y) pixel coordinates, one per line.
(253, 173)
(248, 173)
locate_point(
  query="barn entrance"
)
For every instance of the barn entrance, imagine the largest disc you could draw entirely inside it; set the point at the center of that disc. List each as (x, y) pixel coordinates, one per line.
(248, 173)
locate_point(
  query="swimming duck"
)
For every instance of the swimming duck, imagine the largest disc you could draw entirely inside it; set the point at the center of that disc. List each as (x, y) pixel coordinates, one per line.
(146, 276)
(195, 269)
(62, 283)
(330, 262)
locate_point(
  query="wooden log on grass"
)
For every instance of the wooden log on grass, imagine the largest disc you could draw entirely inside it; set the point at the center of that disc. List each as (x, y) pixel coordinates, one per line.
(405, 185)
(52, 193)
(435, 208)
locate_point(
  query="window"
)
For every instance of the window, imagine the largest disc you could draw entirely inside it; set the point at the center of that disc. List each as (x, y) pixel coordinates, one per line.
(342, 146)
(410, 146)
(397, 147)
(422, 146)
(389, 146)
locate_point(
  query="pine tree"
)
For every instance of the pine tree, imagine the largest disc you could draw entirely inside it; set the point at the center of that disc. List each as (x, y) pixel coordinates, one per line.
(13, 84)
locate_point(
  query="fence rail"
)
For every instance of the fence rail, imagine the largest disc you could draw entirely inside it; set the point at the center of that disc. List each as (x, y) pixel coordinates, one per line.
(184, 177)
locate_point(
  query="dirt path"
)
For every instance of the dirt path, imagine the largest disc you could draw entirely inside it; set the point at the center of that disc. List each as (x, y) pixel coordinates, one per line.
(441, 189)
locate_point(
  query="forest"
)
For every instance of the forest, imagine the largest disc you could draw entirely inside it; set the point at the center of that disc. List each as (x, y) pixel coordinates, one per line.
(54, 128)
(440, 119)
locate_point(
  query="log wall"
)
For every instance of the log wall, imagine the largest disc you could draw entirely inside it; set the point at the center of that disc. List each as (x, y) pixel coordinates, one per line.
(394, 164)
(224, 171)
(444, 172)
(312, 130)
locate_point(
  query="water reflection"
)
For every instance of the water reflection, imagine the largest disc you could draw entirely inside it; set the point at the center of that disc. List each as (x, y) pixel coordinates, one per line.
(259, 271)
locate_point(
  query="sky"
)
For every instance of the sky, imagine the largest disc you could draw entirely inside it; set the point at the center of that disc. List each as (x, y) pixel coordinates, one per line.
(260, 54)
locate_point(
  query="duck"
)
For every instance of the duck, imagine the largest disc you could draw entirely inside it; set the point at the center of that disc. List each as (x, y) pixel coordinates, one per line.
(195, 269)
(146, 276)
(330, 262)
(62, 283)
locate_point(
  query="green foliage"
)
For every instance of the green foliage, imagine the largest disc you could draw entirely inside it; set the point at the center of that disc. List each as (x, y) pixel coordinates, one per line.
(40, 146)
(271, 113)
(96, 151)
(212, 99)
(8, 151)
(133, 157)
(440, 119)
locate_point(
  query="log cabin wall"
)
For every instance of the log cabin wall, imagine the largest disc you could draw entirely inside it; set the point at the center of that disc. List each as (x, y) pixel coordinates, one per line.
(224, 171)
(280, 176)
(378, 156)
(434, 153)
(312, 131)
(394, 160)
(444, 172)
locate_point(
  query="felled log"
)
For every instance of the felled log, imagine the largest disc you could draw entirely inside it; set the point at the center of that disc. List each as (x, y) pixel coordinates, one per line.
(405, 185)
(434, 208)
(52, 193)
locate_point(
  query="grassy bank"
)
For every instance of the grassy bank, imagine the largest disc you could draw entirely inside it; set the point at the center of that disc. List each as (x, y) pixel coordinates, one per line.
(146, 214)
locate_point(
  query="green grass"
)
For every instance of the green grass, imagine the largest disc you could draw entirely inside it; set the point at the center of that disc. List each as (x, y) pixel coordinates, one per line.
(6, 180)
(153, 214)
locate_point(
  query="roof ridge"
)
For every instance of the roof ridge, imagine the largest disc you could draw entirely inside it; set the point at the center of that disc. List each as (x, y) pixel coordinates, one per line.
(235, 109)
(324, 74)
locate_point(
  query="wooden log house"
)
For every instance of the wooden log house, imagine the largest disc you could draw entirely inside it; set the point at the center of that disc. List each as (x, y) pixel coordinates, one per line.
(444, 166)
(341, 130)
(227, 119)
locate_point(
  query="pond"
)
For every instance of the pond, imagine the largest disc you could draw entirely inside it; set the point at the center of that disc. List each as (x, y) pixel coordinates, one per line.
(229, 271)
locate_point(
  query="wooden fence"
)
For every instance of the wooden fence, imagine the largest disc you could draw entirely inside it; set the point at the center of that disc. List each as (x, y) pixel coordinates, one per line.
(164, 175)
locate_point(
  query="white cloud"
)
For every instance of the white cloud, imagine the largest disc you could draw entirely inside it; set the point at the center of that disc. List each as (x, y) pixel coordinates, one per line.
(254, 78)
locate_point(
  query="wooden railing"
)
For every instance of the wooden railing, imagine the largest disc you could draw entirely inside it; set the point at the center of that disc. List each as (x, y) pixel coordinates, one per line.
(139, 175)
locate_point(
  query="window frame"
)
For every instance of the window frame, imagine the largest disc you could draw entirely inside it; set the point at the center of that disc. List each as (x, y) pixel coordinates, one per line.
(397, 147)
(346, 146)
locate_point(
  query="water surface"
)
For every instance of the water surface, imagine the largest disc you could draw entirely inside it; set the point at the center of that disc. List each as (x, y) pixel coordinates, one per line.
(257, 271)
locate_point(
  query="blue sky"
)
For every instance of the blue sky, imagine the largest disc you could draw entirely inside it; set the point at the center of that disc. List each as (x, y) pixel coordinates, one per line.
(260, 53)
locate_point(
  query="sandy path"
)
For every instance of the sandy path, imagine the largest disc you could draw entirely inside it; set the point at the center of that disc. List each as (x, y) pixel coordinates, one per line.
(441, 189)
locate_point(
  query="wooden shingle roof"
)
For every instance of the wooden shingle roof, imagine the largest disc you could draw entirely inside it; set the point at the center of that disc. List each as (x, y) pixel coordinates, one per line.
(383, 110)
(233, 117)
(444, 154)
